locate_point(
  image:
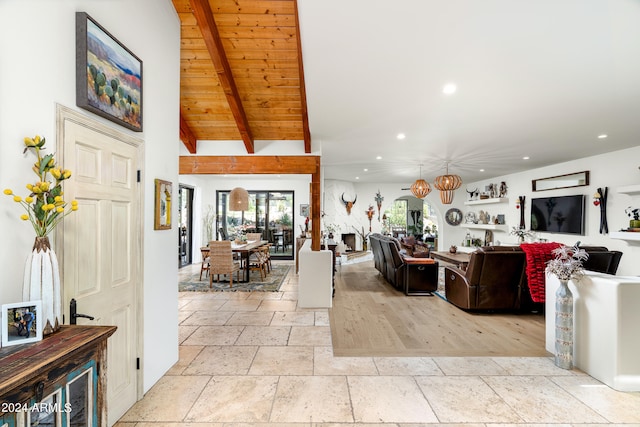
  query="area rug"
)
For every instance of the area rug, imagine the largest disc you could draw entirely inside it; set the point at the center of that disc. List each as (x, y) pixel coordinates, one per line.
(271, 283)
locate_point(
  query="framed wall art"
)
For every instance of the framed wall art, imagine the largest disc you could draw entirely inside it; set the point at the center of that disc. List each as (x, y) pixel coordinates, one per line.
(304, 210)
(108, 75)
(21, 323)
(162, 213)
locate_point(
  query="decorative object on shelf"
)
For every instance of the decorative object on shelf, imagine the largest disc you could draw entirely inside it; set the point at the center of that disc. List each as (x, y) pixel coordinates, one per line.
(503, 189)
(420, 188)
(453, 216)
(600, 199)
(521, 233)
(108, 75)
(473, 194)
(370, 212)
(634, 214)
(520, 205)
(447, 184)
(379, 200)
(162, 209)
(566, 266)
(488, 238)
(348, 204)
(45, 208)
(470, 218)
(499, 219)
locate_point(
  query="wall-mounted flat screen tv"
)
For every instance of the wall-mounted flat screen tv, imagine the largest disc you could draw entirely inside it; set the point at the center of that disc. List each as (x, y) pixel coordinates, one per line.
(563, 214)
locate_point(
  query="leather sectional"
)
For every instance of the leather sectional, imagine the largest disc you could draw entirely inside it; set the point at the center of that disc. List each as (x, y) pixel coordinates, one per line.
(412, 275)
(495, 278)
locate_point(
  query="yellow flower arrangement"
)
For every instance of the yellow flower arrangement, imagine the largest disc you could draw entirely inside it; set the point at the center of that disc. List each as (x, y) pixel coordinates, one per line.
(45, 206)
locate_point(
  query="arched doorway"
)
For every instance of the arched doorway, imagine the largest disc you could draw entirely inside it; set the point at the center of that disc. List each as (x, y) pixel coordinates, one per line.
(410, 216)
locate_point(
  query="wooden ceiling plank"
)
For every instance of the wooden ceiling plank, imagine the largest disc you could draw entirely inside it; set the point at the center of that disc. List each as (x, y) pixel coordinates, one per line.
(303, 91)
(204, 16)
(186, 135)
(253, 6)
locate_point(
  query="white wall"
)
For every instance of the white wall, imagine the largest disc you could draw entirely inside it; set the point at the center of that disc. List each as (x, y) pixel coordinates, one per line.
(37, 69)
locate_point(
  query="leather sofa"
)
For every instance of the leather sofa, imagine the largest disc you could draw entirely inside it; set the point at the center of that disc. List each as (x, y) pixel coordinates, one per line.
(414, 276)
(495, 278)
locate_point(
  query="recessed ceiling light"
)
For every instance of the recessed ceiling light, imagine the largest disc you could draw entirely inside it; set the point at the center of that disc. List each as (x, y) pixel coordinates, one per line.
(379, 158)
(602, 136)
(481, 170)
(449, 89)
(525, 158)
(357, 177)
(401, 136)
(365, 169)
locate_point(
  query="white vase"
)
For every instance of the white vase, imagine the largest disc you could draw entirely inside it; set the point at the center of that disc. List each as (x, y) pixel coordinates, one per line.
(42, 282)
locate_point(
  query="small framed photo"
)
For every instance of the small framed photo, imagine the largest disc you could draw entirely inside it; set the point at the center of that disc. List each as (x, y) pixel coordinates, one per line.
(21, 323)
(500, 219)
(304, 210)
(162, 211)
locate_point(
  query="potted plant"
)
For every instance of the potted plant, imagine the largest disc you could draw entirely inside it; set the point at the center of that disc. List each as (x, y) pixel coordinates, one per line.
(521, 233)
(634, 214)
(567, 265)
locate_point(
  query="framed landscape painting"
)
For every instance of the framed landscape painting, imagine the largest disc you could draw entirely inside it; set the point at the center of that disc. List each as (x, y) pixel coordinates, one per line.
(108, 75)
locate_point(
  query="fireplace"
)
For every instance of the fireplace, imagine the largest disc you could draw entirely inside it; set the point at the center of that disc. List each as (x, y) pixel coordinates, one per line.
(349, 240)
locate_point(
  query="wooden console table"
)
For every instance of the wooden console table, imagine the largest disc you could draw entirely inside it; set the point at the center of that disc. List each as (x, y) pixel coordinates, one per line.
(58, 381)
(460, 259)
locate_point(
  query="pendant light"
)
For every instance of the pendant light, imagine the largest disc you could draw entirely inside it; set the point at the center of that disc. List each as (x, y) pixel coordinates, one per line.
(420, 188)
(447, 184)
(239, 199)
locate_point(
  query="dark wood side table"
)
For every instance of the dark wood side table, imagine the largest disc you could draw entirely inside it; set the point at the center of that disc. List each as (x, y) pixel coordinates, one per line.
(65, 372)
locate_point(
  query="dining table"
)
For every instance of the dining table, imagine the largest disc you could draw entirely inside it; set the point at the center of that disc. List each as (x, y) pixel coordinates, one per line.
(244, 250)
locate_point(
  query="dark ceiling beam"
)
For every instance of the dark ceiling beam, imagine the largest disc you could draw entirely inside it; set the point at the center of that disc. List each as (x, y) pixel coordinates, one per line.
(186, 135)
(204, 17)
(303, 91)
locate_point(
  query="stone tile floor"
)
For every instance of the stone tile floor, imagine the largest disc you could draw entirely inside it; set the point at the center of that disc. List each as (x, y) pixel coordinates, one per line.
(256, 359)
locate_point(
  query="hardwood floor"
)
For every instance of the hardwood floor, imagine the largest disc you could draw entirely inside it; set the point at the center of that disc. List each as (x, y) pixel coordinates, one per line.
(370, 318)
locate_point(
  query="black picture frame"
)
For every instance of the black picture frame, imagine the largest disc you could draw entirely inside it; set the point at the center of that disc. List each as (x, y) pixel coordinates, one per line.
(108, 75)
(453, 216)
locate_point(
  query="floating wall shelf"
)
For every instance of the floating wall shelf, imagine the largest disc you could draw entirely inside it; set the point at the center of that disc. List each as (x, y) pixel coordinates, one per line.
(486, 201)
(625, 235)
(629, 189)
(496, 227)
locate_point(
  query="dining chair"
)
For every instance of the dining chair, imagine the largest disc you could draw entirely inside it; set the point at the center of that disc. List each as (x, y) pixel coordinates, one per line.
(254, 237)
(205, 261)
(258, 261)
(221, 261)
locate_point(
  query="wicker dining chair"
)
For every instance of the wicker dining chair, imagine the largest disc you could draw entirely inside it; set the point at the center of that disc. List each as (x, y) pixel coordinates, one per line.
(254, 237)
(258, 261)
(221, 261)
(205, 261)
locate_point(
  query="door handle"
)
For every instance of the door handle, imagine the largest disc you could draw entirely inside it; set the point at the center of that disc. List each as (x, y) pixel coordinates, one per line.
(73, 313)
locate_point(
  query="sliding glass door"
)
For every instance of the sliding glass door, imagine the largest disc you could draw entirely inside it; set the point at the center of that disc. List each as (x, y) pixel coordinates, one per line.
(269, 213)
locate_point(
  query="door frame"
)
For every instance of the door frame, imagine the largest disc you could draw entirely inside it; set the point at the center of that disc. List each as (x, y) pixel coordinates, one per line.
(66, 114)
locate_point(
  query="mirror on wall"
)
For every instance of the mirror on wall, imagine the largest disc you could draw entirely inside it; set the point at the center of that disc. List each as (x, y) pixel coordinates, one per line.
(577, 179)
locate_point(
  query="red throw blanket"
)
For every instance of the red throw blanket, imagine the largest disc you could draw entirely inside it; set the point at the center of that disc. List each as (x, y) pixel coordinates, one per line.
(537, 255)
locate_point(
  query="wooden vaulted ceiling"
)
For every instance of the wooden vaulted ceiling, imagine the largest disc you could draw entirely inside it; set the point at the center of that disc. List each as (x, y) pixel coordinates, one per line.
(241, 73)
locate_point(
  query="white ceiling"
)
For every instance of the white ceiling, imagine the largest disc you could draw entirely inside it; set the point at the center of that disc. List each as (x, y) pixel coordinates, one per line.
(536, 78)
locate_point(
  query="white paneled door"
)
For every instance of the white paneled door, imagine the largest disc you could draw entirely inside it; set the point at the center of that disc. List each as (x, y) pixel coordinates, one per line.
(102, 250)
